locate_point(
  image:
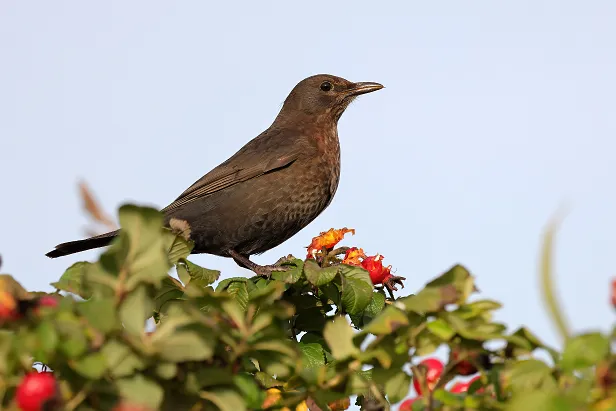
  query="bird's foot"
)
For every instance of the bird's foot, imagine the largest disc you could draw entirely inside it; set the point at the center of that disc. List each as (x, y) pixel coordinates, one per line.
(392, 282)
(267, 270)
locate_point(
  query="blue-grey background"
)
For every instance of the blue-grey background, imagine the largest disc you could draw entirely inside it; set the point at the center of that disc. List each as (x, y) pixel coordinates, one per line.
(493, 116)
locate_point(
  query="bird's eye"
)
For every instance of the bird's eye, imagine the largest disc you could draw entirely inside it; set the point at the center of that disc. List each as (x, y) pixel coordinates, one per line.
(326, 86)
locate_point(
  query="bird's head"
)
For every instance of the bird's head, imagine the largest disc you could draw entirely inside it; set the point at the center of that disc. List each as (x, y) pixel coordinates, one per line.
(325, 96)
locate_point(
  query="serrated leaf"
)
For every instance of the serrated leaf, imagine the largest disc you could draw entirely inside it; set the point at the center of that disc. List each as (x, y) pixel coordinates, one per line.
(91, 366)
(339, 336)
(176, 245)
(294, 270)
(100, 313)
(186, 345)
(140, 390)
(441, 329)
(532, 374)
(225, 400)
(313, 355)
(397, 387)
(251, 393)
(121, 360)
(224, 284)
(201, 277)
(388, 321)
(319, 276)
(166, 370)
(47, 339)
(430, 299)
(584, 351)
(356, 288)
(170, 290)
(146, 260)
(72, 279)
(136, 308)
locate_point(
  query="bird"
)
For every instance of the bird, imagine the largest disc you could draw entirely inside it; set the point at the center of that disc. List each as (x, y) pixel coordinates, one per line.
(271, 188)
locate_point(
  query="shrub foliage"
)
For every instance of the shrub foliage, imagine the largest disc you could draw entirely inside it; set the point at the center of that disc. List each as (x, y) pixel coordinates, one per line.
(315, 336)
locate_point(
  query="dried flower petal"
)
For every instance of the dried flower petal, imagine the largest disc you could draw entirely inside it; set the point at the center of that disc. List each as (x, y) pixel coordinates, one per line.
(327, 239)
(354, 256)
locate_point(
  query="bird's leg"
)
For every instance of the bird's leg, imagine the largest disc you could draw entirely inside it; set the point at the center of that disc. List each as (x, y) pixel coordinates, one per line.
(262, 270)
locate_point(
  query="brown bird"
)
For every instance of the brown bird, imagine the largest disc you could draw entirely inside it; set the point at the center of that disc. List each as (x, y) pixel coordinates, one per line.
(271, 188)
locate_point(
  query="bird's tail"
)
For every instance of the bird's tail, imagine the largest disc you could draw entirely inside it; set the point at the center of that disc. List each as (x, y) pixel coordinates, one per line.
(82, 245)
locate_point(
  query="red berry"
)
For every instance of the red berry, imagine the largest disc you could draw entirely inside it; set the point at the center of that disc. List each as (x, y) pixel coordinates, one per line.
(48, 301)
(8, 307)
(463, 367)
(613, 296)
(461, 387)
(35, 390)
(433, 370)
(407, 405)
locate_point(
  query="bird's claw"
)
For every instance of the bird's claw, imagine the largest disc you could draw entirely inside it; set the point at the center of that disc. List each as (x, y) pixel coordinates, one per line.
(267, 270)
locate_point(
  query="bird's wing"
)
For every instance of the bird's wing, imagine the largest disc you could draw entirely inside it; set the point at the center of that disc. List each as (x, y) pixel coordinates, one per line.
(250, 162)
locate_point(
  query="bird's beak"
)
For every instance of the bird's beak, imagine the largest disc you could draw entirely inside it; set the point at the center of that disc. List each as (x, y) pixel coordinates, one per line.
(363, 88)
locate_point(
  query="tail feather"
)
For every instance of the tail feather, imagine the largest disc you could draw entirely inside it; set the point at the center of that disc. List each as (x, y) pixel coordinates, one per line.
(73, 247)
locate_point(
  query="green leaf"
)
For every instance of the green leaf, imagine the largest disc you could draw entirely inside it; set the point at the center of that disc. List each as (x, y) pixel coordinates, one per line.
(136, 308)
(192, 273)
(539, 400)
(319, 276)
(252, 394)
(431, 299)
(100, 313)
(267, 381)
(456, 275)
(356, 288)
(584, 351)
(91, 366)
(141, 390)
(376, 305)
(121, 360)
(313, 355)
(176, 245)
(188, 345)
(147, 260)
(528, 375)
(397, 387)
(224, 284)
(72, 279)
(282, 347)
(73, 342)
(339, 336)
(448, 398)
(313, 319)
(388, 321)
(47, 338)
(239, 293)
(166, 370)
(441, 329)
(6, 342)
(225, 400)
(170, 290)
(293, 273)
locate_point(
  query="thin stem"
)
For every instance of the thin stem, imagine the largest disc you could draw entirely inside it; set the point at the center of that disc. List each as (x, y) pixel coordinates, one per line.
(547, 282)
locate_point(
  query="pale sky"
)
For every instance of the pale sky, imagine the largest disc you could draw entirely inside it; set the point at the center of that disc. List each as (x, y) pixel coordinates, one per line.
(493, 116)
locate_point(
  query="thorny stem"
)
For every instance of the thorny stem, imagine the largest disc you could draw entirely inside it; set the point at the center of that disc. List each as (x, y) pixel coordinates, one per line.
(78, 399)
(423, 384)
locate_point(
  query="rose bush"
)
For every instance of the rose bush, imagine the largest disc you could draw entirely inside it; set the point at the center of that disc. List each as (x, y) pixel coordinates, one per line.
(322, 335)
